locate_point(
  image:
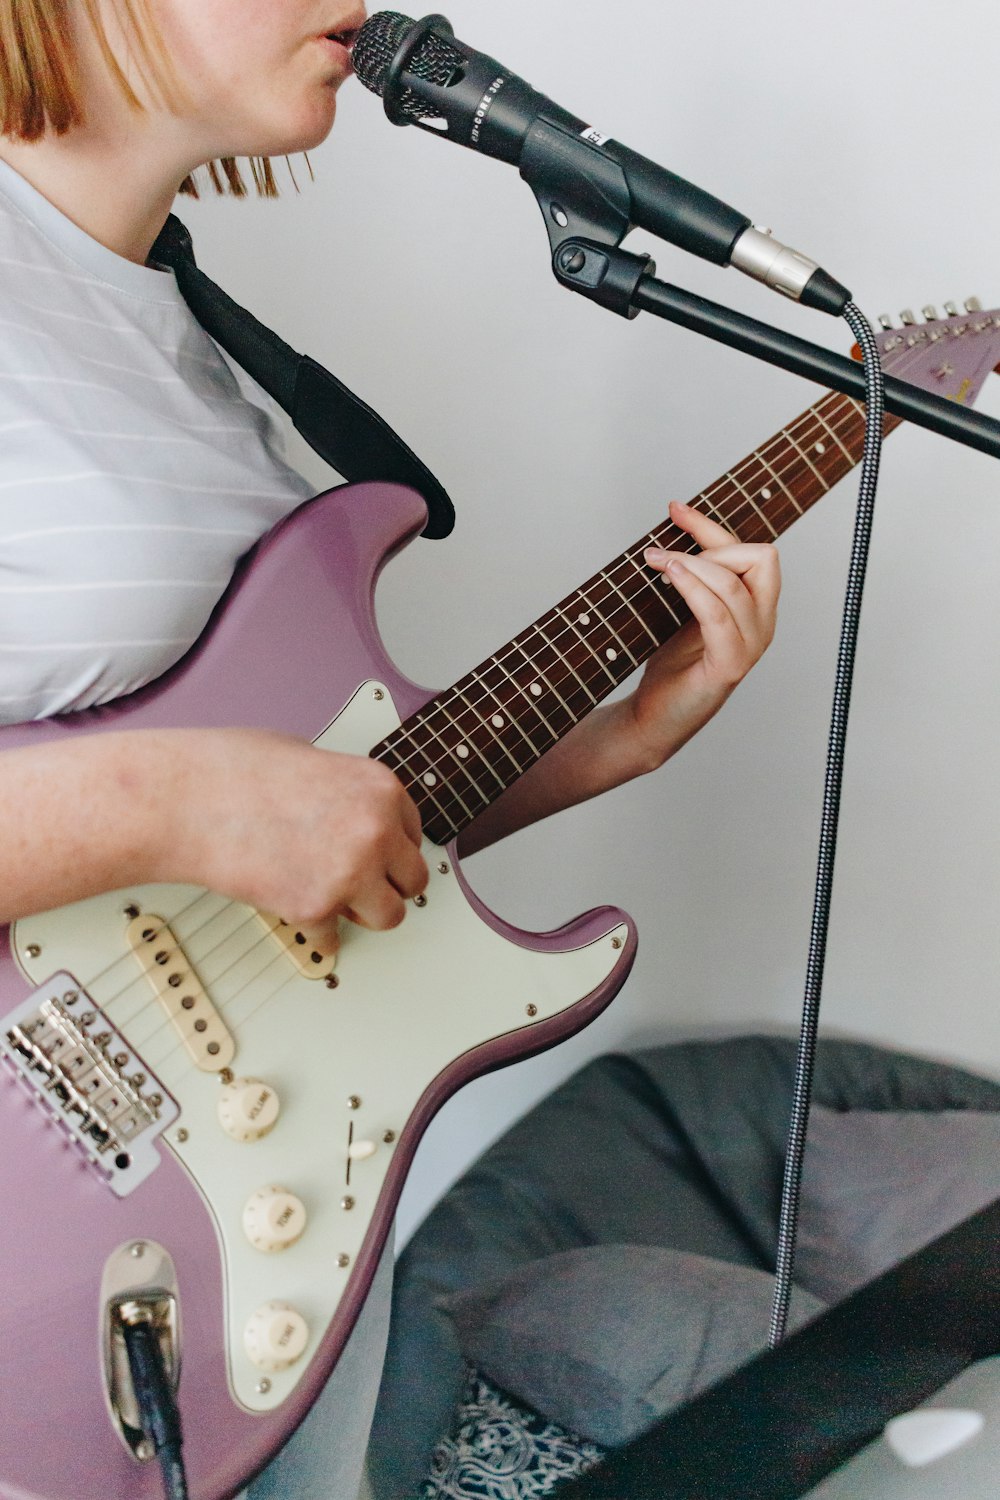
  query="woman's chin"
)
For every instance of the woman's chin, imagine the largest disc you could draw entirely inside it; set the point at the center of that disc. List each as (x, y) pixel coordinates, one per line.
(305, 133)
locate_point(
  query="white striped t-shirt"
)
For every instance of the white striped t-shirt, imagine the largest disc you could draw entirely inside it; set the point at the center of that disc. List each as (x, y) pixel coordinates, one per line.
(137, 464)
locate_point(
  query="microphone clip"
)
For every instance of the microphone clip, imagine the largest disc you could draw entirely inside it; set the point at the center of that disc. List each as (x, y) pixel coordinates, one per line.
(585, 202)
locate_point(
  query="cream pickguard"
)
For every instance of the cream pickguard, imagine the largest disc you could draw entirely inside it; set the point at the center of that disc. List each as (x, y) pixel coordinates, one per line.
(406, 1004)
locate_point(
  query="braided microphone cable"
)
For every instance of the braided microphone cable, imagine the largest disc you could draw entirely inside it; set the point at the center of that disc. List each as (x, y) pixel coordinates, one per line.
(806, 1056)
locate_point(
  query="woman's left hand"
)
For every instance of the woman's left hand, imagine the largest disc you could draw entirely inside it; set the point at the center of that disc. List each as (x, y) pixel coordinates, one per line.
(732, 591)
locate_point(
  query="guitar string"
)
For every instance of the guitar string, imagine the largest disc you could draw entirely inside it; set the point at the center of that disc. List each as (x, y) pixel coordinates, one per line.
(147, 1003)
(745, 503)
(848, 408)
(731, 516)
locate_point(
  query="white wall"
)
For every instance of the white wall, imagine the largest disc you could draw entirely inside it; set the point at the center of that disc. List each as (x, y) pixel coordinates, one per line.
(866, 136)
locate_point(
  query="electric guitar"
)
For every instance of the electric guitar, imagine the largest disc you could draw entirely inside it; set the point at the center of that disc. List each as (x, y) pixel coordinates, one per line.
(200, 1112)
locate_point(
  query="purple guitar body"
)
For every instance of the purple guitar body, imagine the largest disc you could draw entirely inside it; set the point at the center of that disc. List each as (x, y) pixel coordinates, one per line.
(147, 1037)
(287, 649)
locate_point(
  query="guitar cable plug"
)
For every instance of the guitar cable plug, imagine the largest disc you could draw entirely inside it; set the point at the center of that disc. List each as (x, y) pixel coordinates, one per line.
(154, 1393)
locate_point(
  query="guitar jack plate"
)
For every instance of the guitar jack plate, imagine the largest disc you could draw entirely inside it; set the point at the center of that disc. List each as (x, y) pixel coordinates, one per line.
(139, 1284)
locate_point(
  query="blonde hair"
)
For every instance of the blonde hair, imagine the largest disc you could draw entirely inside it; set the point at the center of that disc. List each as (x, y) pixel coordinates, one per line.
(39, 87)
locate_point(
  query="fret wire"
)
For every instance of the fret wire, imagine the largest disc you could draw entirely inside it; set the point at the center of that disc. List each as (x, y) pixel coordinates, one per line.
(845, 451)
(627, 602)
(565, 659)
(468, 737)
(599, 612)
(780, 512)
(521, 644)
(656, 593)
(504, 707)
(422, 790)
(485, 723)
(529, 700)
(776, 477)
(839, 408)
(592, 649)
(806, 459)
(441, 706)
(814, 432)
(422, 722)
(756, 507)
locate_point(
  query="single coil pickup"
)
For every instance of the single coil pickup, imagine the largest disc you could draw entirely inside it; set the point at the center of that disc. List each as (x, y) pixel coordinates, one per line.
(297, 944)
(78, 1066)
(181, 993)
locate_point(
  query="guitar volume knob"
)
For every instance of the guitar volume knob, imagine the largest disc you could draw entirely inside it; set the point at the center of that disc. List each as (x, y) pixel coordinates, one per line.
(273, 1219)
(248, 1109)
(275, 1336)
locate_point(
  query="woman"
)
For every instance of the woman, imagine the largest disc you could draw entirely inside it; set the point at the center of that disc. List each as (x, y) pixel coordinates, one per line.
(139, 464)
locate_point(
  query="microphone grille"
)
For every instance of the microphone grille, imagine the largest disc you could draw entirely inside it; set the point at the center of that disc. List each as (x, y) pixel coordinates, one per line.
(377, 44)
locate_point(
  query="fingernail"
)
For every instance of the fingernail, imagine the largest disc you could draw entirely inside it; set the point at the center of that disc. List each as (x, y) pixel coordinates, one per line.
(676, 567)
(655, 554)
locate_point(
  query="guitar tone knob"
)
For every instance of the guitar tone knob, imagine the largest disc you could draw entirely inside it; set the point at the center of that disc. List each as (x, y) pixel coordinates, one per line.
(275, 1336)
(273, 1219)
(248, 1109)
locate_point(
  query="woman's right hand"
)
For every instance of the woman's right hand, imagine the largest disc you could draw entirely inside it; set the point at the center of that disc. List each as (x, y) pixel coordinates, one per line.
(311, 835)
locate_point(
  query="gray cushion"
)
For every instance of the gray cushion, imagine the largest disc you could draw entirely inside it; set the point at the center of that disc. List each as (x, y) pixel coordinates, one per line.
(877, 1186)
(606, 1339)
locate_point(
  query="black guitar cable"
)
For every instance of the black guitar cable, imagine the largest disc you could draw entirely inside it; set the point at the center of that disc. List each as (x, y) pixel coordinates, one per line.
(154, 1392)
(805, 1060)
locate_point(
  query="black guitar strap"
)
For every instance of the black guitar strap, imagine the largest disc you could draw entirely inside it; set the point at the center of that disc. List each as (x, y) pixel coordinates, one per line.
(343, 430)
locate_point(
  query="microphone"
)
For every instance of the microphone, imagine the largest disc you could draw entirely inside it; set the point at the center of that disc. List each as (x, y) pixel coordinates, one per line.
(427, 77)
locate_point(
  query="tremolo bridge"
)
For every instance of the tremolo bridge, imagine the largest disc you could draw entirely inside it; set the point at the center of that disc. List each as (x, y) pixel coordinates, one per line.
(74, 1061)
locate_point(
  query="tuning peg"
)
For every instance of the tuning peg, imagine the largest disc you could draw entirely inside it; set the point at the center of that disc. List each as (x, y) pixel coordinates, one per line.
(929, 314)
(973, 304)
(951, 309)
(906, 317)
(884, 322)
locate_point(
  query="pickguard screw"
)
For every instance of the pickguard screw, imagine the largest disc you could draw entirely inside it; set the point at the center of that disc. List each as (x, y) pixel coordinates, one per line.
(181, 1135)
(443, 867)
(343, 1260)
(226, 1075)
(389, 1137)
(420, 900)
(332, 981)
(131, 911)
(616, 942)
(138, 1251)
(263, 1386)
(354, 1102)
(532, 1010)
(378, 695)
(34, 951)
(347, 1202)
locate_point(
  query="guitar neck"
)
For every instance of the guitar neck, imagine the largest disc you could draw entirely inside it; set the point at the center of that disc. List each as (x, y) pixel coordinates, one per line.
(466, 746)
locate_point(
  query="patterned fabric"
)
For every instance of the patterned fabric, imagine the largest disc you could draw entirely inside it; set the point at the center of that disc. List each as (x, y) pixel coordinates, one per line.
(500, 1451)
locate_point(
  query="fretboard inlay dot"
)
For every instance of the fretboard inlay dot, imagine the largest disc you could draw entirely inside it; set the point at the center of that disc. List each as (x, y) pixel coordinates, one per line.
(498, 721)
(766, 494)
(611, 654)
(430, 779)
(462, 752)
(535, 690)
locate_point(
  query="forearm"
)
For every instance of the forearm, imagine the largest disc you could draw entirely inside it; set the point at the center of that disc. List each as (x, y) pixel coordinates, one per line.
(602, 751)
(80, 816)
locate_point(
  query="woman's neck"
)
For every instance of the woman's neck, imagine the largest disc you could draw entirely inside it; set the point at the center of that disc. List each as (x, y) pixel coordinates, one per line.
(119, 193)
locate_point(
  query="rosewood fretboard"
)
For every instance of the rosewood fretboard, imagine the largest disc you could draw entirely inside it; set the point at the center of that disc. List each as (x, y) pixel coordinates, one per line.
(469, 744)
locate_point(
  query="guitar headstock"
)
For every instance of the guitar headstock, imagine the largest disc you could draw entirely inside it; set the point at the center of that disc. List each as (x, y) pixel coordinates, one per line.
(950, 355)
